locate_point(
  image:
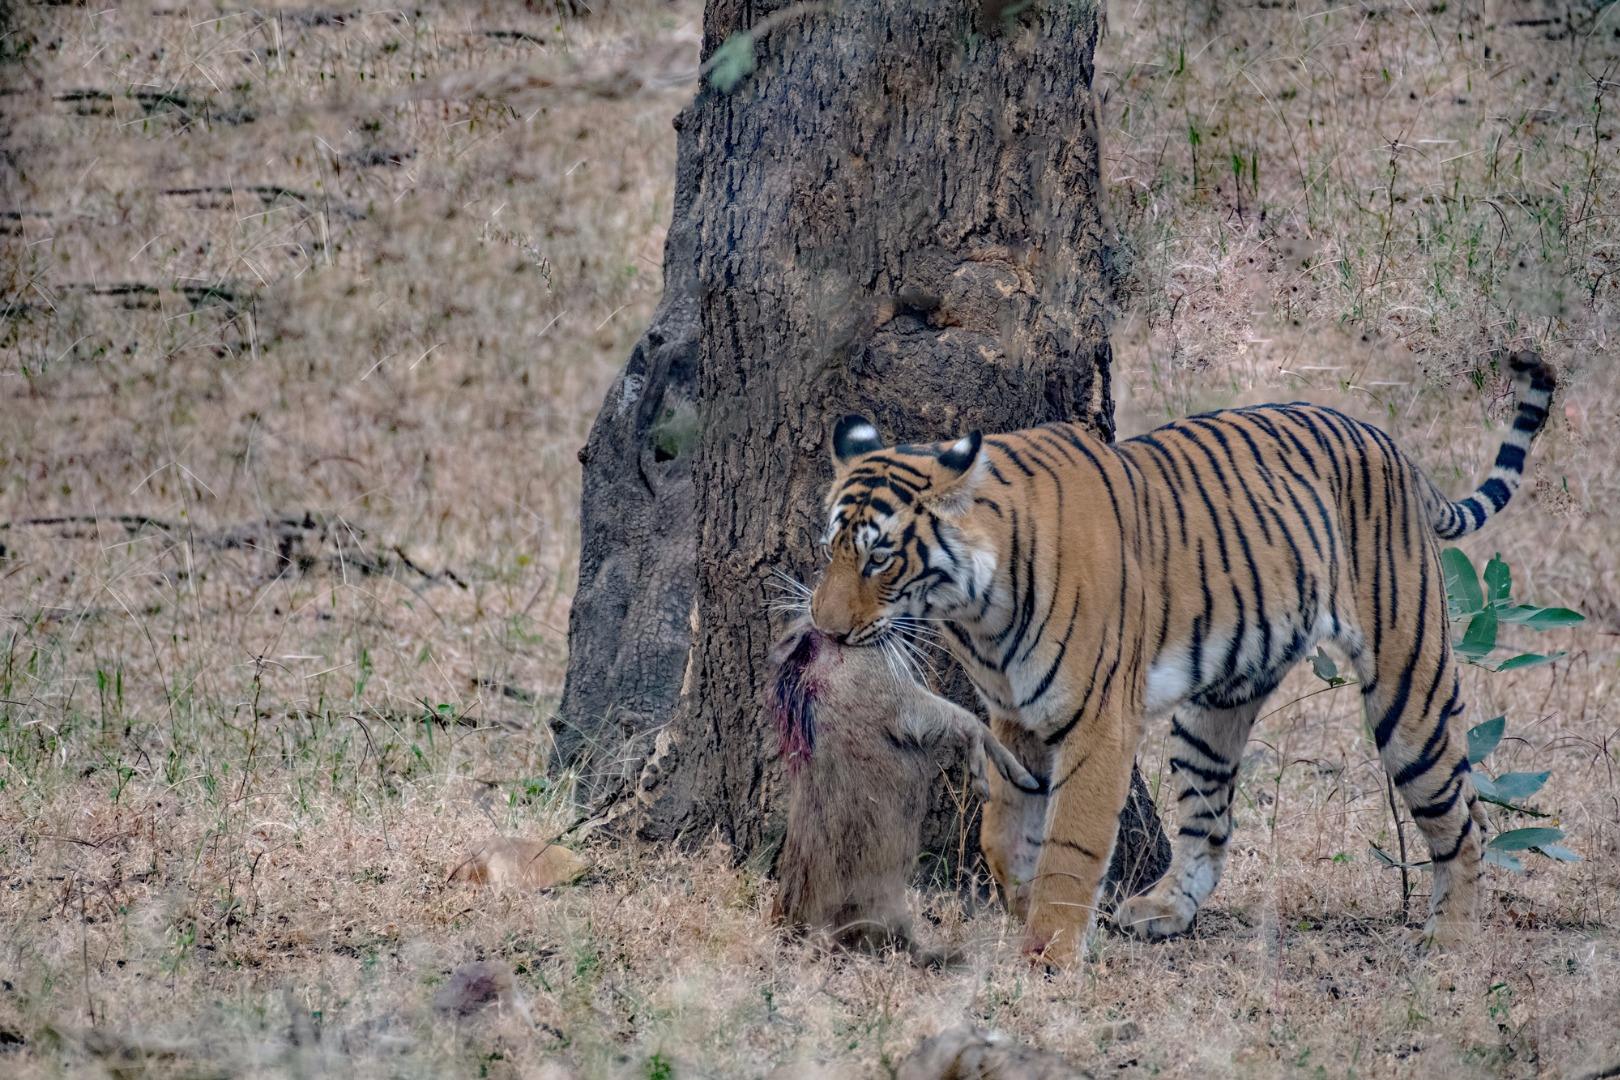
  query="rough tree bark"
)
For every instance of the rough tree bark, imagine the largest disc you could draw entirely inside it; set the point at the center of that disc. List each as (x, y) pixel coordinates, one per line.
(896, 213)
(629, 631)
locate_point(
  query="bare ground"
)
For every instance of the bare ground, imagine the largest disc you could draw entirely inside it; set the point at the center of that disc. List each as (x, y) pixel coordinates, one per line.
(305, 315)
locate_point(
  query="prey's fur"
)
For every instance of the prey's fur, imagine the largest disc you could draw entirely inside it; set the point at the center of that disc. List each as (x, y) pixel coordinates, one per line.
(863, 743)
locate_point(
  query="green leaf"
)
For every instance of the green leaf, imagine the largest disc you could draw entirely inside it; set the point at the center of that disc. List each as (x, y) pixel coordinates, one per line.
(1462, 586)
(1509, 787)
(1498, 581)
(1482, 738)
(1525, 839)
(1504, 860)
(1529, 659)
(1536, 618)
(1559, 852)
(1480, 637)
(732, 62)
(1325, 668)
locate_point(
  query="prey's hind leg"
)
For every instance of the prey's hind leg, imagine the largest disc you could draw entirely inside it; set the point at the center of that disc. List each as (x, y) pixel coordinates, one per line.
(1014, 825)
(935, 722)
(1206, 746)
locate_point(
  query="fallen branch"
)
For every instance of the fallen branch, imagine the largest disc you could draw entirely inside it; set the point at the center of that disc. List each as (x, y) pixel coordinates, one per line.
(267, 194)
(446, 574)
(506, 690)
(132, 522)
(1606, 1072)
(222, 293)
(514, 35)
(292, 542)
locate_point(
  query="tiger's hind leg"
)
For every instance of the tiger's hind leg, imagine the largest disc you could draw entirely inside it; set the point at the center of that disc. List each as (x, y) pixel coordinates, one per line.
(1411, 702)
(1206, 747)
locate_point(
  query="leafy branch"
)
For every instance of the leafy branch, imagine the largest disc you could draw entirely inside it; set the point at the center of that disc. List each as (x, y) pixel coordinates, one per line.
(1479, 605)
(1483, 604)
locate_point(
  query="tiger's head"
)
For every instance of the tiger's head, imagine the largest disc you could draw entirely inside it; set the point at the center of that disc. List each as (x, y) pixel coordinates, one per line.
(895, 544)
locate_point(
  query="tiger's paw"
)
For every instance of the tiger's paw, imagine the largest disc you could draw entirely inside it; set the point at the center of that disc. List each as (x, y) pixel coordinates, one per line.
(1049, 954)
(1051, 943)
(1152, 917)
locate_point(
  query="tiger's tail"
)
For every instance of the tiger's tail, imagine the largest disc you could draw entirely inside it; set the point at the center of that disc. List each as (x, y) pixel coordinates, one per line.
(1535, 381)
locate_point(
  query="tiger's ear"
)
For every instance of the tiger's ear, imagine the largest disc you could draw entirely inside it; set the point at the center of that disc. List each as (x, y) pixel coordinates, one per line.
(959, 457)
(959, 463)
(852, 437)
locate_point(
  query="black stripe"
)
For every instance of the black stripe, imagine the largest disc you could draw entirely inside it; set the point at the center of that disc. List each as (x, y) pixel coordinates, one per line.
(884, 459)
(1013, 567)
(1072, 846)
(1012, 455)
(1076, 767)
(1216, 776)
(1180, 731)
(1496, 491)
(1237, 474)
(1202, 623)
(1278, 434)
(1429, 756)
(1403, 688)
(1462, 834)
(1453, 783)
(1173, 485)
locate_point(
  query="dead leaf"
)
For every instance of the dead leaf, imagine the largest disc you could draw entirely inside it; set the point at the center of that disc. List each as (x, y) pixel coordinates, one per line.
(514, 863)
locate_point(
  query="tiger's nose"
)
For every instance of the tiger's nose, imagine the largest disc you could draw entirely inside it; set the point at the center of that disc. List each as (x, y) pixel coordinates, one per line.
(828, 623)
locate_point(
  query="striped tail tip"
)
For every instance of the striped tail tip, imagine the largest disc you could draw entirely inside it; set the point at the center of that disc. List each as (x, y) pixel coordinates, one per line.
(1535, 382)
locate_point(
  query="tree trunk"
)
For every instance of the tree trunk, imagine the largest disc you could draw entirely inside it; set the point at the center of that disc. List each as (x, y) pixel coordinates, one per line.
(896, 213)
(629, 631)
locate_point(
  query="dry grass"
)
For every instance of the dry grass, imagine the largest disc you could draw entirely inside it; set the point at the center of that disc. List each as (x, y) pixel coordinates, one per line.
(337, 350)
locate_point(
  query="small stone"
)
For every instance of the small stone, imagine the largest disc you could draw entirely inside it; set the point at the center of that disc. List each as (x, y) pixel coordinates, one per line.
(1120, 1031)
(984, 1055)
(472, 987)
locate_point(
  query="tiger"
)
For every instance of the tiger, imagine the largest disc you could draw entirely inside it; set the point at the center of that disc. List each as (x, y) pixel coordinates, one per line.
(1088, 588)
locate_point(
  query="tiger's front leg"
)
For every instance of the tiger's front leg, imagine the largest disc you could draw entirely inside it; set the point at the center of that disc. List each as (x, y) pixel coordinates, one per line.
(1089, 784)
(1014, 823)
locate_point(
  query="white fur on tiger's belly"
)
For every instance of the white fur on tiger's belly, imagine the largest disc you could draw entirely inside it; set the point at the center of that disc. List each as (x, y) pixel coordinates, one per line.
(1169, 683)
